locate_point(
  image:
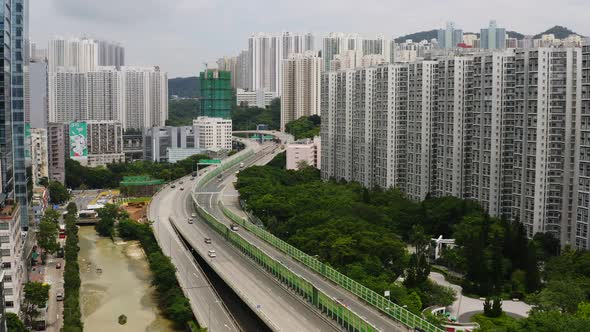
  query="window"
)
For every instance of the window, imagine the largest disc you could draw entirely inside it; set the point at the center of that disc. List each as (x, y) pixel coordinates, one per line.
(5, 252)
(4, 239)
(9, 304)
(4, 226)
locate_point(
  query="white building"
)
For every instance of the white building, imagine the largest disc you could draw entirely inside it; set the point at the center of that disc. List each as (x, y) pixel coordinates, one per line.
(507, 129)
(83, 54)
(12, 249)
(265, 53)
(338, 43)
(39, 154)
(259, 98)
(301, 87)
(214, 133)
(145, 97)
(135, 96)
(307, 151)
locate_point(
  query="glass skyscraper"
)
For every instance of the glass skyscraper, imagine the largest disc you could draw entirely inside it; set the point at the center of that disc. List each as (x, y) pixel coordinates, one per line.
(20, 61)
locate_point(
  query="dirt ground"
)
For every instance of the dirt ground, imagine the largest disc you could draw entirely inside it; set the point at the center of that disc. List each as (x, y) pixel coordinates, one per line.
(137, 211)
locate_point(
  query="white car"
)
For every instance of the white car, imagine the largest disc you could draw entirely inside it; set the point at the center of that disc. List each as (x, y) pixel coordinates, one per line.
(190, 220)
(211, 253)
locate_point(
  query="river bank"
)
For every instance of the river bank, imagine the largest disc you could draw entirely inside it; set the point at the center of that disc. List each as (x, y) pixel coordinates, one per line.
(116, 281)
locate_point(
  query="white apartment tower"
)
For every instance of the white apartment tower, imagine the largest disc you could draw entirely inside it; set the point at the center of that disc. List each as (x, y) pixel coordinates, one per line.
(508, 129)
(301, 87)
(266, 52)
(83, 54)
(135, 96)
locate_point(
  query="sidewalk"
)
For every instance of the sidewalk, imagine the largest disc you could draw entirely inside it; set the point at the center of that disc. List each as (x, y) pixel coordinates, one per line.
(464, 307)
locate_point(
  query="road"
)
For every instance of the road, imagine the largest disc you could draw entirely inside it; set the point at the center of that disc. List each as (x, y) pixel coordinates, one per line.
(276, 305)
(208, 197)
(54, 277)
(193, 281)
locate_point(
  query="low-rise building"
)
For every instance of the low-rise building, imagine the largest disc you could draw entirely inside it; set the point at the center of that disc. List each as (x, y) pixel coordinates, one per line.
(11, 251)
(39, 155)
(214, 133)
(57, 148)
(159, 141)
(306, 151)
(259, 98)
(39, 202)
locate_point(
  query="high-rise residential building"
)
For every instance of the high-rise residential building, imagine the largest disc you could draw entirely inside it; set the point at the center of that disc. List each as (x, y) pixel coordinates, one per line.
(39, 155)
(214, 133)
(58, 146)
(265, 53)
(135, 96)
(38, 93)
(469, 39)
(492, 37)
(160, 141)
(580, 233)
(145, 97)
(504, 128)
(243, 71)
(216, 93)
(83, 54)
(301, 87)
(338, 43)
(229, 64)
(449, 37)
(378, 46)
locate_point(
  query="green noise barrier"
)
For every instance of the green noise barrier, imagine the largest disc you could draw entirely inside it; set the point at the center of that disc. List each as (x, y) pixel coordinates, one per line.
(371, 297)
(335, 310)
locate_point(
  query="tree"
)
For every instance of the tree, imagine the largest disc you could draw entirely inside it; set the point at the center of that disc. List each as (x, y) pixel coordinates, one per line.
(47, 236)
(14, 324)
(44, 181)
(36, 296)
(72, 209)
(108, 215)
(487, 307)
(51, 216)
(562, 294)
(419, 269)
(496, 310)
(58, 194)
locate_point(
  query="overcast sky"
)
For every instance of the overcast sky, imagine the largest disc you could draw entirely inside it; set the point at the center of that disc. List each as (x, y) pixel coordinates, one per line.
(179, 35)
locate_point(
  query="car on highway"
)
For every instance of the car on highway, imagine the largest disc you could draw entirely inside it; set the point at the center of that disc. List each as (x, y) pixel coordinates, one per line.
(59, 296)
(181, 182)
(194, 215)
(234, 227)
(208, 240)
(190, 220)
(241, 165)
(58, 266)
(238, 172)
(211, 253)
(192, 179)
(220, 177)
(173, 186)
(181, 188)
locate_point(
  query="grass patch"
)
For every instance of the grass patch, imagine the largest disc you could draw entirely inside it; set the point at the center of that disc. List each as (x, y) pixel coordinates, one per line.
(498, 324)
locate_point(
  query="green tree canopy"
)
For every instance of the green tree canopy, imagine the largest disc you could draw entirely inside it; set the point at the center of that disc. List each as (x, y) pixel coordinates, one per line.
(58, 193)
(36, 295)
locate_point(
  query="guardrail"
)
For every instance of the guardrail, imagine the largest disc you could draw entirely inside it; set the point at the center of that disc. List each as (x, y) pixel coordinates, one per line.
(228, 163)
(332, 308)
(373, 298)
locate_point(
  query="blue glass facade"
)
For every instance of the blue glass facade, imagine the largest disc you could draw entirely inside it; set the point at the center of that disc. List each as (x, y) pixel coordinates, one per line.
(19, 21)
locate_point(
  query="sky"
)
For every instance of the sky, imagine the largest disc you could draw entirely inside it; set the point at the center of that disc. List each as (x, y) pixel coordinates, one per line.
(180, 35)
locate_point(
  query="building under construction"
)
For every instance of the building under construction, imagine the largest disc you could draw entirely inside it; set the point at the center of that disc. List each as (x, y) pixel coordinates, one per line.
(216, 93)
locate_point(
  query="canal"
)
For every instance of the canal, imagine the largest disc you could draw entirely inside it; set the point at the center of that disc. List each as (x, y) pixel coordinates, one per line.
(116, 281)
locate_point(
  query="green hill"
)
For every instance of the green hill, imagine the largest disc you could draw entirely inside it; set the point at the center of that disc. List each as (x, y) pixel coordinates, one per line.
(559, 31)
(184, 87)
(418, 36)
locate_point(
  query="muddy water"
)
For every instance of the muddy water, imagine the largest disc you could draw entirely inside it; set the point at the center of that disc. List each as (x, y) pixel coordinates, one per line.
(122, 287)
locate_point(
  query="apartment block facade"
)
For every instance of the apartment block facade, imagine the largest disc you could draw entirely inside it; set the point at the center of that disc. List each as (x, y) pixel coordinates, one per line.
(301, 87)
(508, 129)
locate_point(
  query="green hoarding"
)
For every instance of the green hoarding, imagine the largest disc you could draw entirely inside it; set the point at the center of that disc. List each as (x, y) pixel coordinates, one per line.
(78, 139)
